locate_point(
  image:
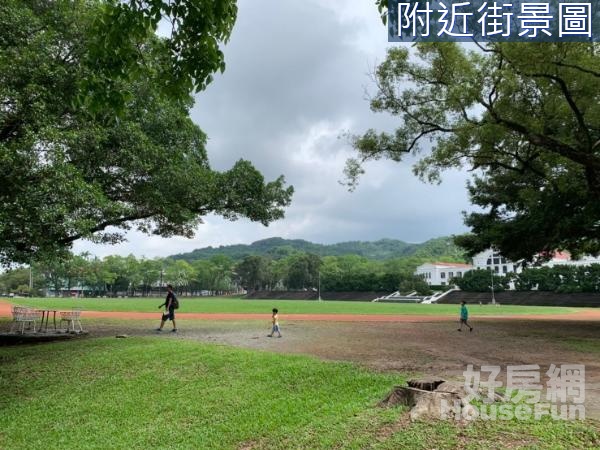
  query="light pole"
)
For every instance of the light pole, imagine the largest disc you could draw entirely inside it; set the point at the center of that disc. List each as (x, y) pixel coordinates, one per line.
(233, 280)
(161, 282)
(493, 297)
(319, 284)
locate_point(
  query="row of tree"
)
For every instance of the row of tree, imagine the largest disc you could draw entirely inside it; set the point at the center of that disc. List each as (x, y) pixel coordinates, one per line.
(330, 273)
(560, 278)
(118, 275)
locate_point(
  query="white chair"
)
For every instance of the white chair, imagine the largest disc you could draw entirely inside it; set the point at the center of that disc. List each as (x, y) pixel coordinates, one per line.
(23, 315)
(72, 319)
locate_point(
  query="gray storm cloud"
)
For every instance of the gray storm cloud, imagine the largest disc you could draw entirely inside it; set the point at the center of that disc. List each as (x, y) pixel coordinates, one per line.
(296, 78)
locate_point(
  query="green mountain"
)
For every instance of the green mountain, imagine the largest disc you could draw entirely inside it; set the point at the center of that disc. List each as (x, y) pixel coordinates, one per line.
(277, 247)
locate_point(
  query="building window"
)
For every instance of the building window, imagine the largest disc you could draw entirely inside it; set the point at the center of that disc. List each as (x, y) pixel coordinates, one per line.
(443, 275)
(503, 260)
(496, 260)
(489, 262)
(504, 269)
(450, 274)
(496, 269)
(458, 274)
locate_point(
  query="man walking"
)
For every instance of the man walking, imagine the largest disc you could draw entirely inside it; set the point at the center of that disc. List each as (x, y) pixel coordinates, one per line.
(464, 316)
(170, 305)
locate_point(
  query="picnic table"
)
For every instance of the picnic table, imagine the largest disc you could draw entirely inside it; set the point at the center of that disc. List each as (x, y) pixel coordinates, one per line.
(46, 315)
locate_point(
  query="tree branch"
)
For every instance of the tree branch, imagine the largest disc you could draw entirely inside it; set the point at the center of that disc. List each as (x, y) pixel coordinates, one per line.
(579, 68)
(569, 98)
(103, 225)
(584, 158)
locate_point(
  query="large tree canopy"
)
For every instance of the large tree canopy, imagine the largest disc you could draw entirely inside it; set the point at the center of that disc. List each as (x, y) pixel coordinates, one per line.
(68, 171)
(193, 31)
(525, 118)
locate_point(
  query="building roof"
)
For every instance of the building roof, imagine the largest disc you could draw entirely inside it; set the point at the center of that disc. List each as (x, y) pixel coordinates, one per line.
(448, 264)
(562, 256)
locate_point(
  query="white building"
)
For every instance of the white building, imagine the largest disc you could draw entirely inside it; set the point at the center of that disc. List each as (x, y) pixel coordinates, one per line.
(438, 273)
(564, 259)
(494, 261)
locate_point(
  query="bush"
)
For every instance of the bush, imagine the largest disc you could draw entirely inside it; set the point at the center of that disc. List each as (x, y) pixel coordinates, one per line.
(481, 281)
(413, 284)
(23, 290)
(561, 278)
(441, 287)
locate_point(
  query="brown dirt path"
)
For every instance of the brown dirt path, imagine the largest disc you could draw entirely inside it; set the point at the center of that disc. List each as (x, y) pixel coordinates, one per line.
(586, 315)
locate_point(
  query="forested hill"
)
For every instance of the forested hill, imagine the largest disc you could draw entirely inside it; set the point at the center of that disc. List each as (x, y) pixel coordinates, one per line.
(379, 250)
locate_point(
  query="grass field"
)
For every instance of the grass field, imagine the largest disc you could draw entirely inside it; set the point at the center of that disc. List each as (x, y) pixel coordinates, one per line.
(228, 305)
(157, 392)
(160, 393)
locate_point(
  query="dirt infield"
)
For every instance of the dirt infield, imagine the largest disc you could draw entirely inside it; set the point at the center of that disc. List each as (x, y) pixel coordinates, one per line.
(587, 315)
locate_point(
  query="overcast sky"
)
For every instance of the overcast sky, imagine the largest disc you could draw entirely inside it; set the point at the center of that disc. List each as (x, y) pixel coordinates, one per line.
(296, 78)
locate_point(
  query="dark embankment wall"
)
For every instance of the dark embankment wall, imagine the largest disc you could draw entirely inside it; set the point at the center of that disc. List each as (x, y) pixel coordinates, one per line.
(529, 298)
(312, 295)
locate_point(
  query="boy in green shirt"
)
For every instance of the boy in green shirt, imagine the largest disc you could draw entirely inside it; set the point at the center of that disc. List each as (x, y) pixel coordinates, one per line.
(464, 316)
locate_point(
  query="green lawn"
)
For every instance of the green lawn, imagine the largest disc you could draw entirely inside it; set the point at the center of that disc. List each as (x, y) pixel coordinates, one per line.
(164, 392)
(228, 305)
